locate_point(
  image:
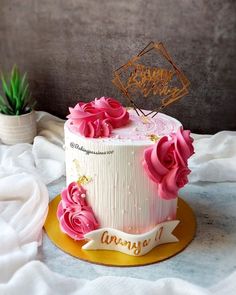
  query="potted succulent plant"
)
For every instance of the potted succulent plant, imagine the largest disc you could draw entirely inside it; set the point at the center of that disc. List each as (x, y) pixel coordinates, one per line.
(17, 116)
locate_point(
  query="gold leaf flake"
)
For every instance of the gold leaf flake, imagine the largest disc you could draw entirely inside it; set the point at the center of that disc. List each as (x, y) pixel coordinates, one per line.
(84, 179)
(153, 137)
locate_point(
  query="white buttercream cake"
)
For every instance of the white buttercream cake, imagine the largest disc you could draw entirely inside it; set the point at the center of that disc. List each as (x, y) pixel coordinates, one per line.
(118, 164)
(119, 192)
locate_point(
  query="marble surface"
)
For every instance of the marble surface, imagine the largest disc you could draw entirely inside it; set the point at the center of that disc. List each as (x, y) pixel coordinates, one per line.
(209, 258)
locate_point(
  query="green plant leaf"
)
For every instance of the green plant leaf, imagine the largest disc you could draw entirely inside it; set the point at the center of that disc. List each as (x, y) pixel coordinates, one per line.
(17, 83)
(5, 87)
(23, 82)
(14, 73)
(2, 110)
(14, 90)
(6, 111)
(17, 98)
(4, 102)
(25, 93)
(10, 101)
(8, 92)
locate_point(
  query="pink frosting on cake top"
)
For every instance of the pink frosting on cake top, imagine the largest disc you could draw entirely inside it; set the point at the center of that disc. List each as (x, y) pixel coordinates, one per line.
(97, 118)
(140, 129)
(137, 129)
(166, 161)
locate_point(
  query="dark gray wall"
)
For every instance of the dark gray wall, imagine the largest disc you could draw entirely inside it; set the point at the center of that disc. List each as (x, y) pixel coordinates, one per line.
(71, 47)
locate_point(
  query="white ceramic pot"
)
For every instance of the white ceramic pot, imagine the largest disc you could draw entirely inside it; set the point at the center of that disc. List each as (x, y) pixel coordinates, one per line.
(18, 129)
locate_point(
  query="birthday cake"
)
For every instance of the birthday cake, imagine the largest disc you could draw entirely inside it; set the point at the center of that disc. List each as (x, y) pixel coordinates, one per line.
(123, 173)
(124, 167)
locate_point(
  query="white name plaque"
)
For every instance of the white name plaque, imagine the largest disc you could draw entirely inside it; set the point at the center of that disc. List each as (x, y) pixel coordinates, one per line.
(131, 244)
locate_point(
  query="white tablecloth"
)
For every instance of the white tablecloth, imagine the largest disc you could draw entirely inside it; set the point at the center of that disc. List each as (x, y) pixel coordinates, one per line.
(24, 172)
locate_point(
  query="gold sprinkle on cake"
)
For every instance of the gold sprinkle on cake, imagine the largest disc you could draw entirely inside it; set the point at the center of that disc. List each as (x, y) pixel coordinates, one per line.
(84, 179)
(153, 137)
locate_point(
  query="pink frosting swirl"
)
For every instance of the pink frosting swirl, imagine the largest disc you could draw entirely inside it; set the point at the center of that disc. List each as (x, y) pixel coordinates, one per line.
(97, 118)
(98, 128)
(114, 112)
(183, 143)
(73, 196)
(88, 121)
(159, 159)
(166, 162)
(75, 217)
(85, 112)
(171, 183)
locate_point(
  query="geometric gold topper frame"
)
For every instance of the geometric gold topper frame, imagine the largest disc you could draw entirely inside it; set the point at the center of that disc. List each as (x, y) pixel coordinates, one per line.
(167, 84)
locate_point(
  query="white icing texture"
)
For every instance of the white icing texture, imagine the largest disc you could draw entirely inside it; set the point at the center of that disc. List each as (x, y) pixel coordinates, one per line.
(119, 192)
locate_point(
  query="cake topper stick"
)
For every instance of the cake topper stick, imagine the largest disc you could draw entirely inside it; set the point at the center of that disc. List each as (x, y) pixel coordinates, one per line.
(147, 48)
(167, 83)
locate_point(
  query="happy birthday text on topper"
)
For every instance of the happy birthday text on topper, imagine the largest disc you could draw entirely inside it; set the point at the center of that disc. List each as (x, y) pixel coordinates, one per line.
(151, 81)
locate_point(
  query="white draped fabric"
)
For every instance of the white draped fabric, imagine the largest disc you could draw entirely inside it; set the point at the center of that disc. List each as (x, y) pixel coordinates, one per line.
(24, 172)
(215, 157)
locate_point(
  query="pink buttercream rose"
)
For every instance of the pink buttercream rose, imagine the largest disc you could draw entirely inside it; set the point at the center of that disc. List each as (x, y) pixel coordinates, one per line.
(159, 159)
(183, 143)
(98, 128)
(114, 112)
(73, 195)
(166, 162)
(171, 183)
(84, 112)
(75, 217)
(76, 221)
(89, 121)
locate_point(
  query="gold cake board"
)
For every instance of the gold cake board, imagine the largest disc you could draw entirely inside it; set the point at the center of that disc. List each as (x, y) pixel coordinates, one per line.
(185, 232)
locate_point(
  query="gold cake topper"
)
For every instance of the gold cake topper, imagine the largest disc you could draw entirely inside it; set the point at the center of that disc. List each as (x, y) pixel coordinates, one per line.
(164, 81)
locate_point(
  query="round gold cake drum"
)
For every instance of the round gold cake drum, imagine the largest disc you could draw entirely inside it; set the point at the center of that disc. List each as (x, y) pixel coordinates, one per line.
(185, 232)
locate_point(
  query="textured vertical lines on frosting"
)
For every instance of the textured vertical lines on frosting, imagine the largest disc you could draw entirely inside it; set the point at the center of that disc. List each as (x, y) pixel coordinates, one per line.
(112, 174)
